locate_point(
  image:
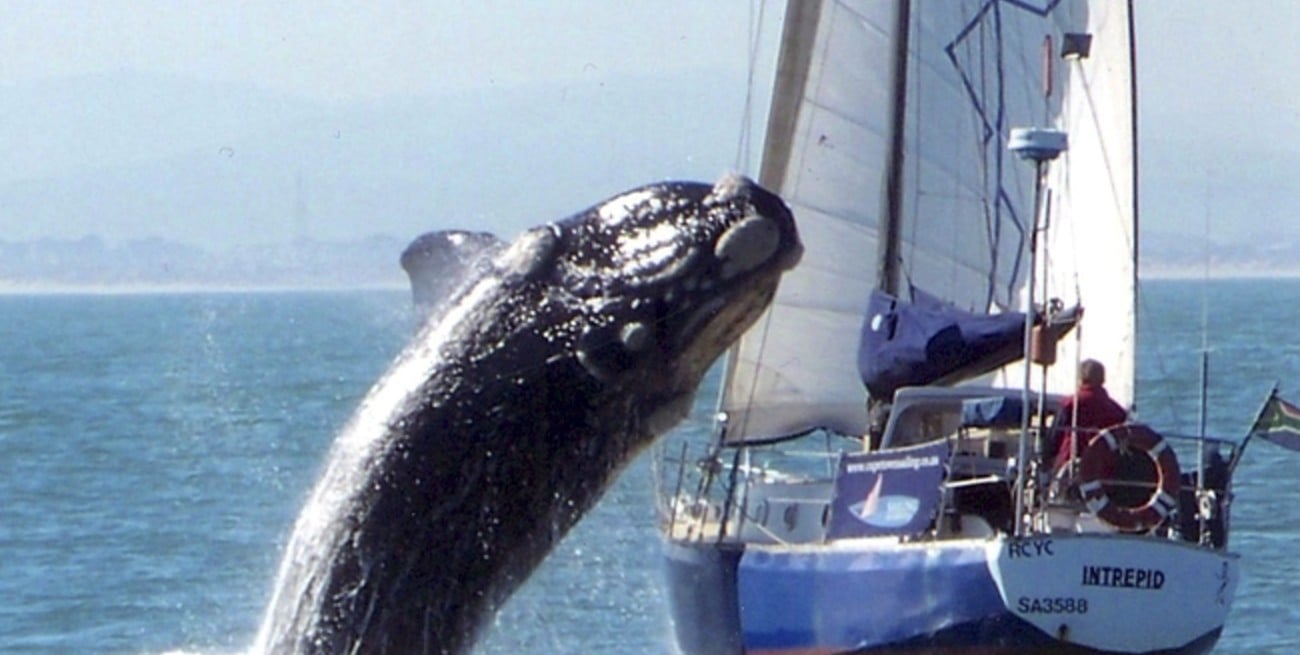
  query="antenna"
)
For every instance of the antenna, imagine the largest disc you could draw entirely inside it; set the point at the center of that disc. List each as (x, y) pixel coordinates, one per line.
(1041, 146)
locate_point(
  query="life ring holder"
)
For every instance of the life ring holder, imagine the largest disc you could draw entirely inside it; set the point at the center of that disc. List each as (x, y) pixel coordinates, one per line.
(1097, 463)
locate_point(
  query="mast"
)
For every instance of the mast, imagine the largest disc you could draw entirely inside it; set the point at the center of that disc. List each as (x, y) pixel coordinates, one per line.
(893, 196)
(793, 62)
(801, 19)
(1133, 148)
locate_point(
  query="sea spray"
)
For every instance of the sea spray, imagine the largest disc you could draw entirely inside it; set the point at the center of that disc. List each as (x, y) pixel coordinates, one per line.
(319, 531)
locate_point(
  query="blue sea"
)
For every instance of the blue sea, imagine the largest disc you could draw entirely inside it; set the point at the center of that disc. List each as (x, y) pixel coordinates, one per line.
(155, 449)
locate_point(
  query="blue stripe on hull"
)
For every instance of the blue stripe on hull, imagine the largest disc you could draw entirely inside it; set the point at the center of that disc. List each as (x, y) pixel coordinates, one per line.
(844, 600)
(915, 601)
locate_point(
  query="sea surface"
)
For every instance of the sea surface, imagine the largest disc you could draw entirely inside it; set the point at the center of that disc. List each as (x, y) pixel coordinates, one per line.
(155, 449)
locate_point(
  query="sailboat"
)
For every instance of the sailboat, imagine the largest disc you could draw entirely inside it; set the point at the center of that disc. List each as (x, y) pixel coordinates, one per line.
(881, 477)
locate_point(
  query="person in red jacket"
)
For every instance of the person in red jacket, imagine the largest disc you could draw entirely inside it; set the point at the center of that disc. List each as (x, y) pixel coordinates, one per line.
(1089, 411)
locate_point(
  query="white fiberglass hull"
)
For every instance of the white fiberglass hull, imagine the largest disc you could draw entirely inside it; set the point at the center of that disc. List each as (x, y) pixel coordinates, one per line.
(1113, 592)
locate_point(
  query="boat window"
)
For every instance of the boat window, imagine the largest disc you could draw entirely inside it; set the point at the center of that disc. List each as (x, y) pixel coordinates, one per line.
(923, 423)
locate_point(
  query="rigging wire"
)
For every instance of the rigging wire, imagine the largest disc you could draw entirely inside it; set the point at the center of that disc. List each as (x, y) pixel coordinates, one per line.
(744, 153)
(745, 140)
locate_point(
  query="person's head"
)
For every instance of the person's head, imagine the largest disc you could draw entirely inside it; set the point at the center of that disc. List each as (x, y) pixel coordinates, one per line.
(1091, 373)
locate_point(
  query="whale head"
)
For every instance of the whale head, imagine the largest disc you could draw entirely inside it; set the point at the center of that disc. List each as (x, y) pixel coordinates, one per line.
(661, 280)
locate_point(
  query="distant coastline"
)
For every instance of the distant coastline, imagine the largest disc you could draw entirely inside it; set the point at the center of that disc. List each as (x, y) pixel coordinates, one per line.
(1216, 273)
(7, 289)
(92, 265)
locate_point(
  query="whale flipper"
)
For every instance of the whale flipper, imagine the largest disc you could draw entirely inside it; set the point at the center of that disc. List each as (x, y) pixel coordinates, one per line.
(437, 262)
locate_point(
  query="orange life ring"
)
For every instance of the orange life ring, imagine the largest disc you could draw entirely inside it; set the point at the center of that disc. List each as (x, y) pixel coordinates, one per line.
(1097, 464)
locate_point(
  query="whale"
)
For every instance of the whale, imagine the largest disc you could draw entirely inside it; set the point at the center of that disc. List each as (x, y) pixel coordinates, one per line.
(438, 262)
(514, 408)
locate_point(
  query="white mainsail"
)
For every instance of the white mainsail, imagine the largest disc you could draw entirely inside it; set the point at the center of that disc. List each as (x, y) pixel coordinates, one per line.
(839, 132)
(1092, 247)
(826, 153)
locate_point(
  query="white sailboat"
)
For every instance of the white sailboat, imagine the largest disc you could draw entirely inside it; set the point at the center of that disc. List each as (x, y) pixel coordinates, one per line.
(929, 516)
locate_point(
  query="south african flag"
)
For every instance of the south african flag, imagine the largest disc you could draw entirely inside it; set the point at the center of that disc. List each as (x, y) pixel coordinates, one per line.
(1279, 422)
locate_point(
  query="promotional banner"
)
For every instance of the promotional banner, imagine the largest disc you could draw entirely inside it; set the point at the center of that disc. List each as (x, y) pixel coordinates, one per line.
(890, 492)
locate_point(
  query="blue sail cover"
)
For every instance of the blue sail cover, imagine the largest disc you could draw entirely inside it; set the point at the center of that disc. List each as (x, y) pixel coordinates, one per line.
(996, 412)
(931, 342)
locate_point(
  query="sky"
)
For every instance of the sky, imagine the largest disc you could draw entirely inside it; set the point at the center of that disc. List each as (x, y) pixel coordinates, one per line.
(348, 51)
(243, 121)
(1219, 115)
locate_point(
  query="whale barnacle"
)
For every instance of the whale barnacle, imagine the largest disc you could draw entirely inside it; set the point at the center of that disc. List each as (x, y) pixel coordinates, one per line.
(532, 255)
(612, 346)
(747, 245)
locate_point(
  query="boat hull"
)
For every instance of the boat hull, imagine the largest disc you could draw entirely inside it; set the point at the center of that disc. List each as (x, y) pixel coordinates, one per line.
(1057, 594)
(702, 597)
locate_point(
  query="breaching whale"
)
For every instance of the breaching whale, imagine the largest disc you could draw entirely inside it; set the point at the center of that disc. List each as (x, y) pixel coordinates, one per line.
(513, 410)
(437, 262)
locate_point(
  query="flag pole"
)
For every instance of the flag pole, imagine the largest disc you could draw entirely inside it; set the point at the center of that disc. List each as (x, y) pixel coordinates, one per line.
(1254, 427)
(1200, 441)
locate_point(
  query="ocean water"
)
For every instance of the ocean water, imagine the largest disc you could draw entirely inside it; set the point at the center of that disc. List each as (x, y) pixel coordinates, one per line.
(155, 449)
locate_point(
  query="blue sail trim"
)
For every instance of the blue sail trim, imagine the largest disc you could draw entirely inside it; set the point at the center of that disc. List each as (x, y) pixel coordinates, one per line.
(989, 107)
(931, 342)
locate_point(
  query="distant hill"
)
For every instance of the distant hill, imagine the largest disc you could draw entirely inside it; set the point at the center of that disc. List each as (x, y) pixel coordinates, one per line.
(132, 180)
(1170, 255)
(155, 264)
(132, 157)
(96, 264)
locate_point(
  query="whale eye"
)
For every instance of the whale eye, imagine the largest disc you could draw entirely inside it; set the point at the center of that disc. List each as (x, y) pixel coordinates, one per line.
(635, 336)
(600, 351)
(608, 350)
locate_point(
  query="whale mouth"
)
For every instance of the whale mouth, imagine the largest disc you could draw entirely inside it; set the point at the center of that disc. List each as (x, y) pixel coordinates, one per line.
(695, 322)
